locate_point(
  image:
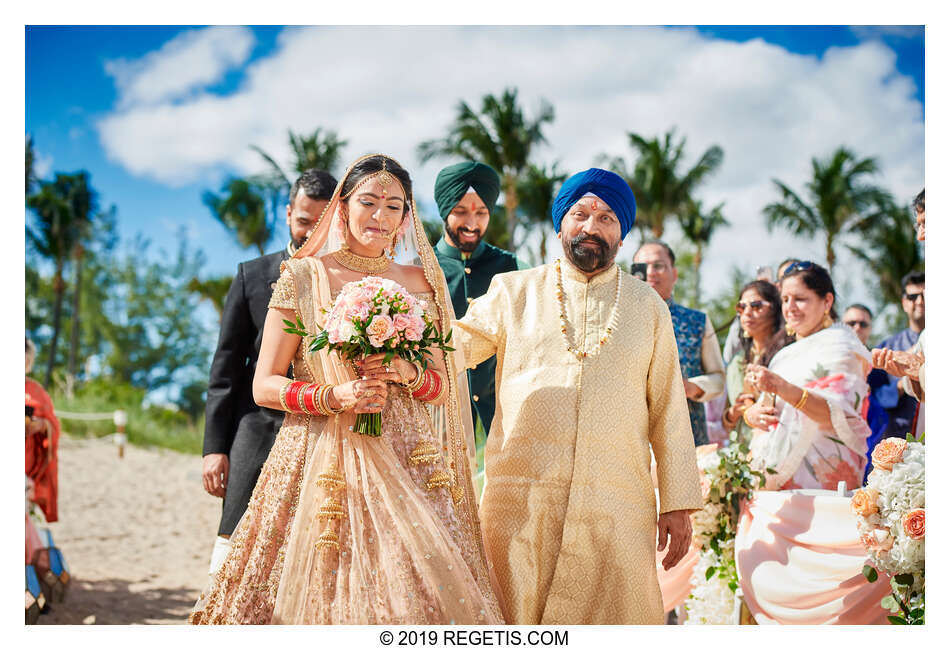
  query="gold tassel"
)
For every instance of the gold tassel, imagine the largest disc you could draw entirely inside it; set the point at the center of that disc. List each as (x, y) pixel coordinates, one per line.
(331, 478)
(425, 452)
(331, 509)
(439, 478)
(328, 539)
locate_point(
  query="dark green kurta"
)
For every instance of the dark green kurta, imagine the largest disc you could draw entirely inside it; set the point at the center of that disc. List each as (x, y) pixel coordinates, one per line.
(468, 279)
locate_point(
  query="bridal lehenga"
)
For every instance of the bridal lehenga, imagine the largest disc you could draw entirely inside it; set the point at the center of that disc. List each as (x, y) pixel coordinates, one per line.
(345, 528)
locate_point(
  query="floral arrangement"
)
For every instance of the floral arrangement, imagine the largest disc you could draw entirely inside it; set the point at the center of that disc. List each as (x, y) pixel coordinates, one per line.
(726, 477)
(376, 315)
(892, 522)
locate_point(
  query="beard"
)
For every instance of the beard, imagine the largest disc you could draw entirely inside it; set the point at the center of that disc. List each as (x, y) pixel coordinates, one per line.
(589, 259)
(465, 247)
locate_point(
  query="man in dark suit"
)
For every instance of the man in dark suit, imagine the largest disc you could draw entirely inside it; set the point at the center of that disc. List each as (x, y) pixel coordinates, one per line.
(238, 433)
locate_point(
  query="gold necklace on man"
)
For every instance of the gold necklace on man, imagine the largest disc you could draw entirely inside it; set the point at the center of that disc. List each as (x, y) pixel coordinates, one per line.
(350, 260)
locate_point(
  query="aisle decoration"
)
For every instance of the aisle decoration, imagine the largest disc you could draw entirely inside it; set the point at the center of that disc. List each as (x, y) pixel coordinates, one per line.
(726, 478)
(891, 521)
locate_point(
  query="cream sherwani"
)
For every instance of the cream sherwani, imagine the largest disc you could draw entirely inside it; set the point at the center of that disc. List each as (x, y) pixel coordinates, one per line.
(568, 511)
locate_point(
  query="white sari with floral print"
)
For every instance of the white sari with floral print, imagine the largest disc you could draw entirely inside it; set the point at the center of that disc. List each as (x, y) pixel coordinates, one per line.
(831, 364)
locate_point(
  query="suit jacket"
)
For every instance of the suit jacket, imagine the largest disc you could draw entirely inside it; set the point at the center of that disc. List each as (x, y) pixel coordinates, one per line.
(230, 408)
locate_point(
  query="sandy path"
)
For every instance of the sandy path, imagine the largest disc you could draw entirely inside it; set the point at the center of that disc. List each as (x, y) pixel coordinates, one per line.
(136, 532)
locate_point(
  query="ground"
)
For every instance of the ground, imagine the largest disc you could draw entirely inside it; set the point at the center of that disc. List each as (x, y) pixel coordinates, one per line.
(136, 532)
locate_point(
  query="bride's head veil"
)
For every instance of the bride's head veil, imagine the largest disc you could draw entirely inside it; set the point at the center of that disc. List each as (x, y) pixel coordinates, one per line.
(452, 422)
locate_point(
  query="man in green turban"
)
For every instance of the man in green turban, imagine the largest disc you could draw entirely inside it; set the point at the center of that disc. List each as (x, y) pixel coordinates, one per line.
(466, 194)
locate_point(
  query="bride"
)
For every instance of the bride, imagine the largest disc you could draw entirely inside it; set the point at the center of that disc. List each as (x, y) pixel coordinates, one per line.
(341, 527)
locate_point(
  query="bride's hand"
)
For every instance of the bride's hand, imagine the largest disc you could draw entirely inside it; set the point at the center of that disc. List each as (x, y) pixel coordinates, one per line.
(399, 370)
(361, 395)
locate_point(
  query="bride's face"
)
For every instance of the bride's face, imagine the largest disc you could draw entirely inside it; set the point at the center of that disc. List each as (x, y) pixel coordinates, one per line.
(373, 213)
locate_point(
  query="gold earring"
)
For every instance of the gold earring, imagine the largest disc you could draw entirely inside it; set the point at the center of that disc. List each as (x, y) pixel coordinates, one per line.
(789, 330)
(745, 333)
(827, 322)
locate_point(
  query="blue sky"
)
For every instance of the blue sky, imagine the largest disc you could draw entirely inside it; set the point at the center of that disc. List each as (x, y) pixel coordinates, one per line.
(90, 105)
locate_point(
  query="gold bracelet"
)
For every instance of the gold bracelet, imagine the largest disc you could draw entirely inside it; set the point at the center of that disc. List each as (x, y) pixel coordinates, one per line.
(282, 396)
(416, 383)
(325, 401)
(803, 399)
(745, 416)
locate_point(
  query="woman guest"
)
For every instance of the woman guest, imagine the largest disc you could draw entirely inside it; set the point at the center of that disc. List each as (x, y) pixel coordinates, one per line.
(814, 435)
(762, 335)
(342, 527)
(42, 442)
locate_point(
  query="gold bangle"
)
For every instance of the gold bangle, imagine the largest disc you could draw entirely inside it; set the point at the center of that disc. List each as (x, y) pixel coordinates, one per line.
(745, 417)
(282, 396)
(325, 399)
(804, 398)
(416, 383)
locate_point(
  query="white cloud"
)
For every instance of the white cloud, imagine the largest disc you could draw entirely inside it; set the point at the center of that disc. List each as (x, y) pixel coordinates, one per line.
(193, 59)
(387, 89)
(42, 164)
(892, 31)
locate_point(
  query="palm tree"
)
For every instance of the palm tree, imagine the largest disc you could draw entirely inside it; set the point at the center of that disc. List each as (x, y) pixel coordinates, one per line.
(536, 191)
(243, 211)
(698, 227)
(83, 204)
(214, 290)
(890, 249)
(30, 158)
(320, 150)
(837, 200)
(500, 136)
(655, 177)
(53, 237)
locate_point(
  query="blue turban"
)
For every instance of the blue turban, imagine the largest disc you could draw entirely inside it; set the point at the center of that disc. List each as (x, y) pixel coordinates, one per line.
(608, 186)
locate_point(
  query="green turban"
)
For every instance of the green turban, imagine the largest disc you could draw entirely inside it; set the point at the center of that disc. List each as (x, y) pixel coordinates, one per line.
(453, 183)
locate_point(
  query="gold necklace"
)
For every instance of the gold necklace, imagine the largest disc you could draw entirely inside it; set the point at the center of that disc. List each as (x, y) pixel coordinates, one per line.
(354, 262)
(611, 322)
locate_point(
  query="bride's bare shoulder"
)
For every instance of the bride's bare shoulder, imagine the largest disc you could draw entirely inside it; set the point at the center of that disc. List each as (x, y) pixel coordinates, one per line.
(411, 277)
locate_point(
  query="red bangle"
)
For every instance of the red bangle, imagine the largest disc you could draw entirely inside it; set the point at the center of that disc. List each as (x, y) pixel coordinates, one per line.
(424, 387)
(431, 387)
(291, 397)
(309, 404)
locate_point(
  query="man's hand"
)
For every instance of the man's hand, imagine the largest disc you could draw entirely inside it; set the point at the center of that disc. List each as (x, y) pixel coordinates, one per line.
(677, 525)
(214, 474)
(896, 362)
(693, 391)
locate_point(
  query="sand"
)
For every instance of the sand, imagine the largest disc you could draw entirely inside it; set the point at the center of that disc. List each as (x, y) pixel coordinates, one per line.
(136, 532)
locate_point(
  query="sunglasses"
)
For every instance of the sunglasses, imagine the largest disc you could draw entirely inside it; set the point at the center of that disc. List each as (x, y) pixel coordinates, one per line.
(859, 323)
(755, 305)
(797, 266)
(914, 296)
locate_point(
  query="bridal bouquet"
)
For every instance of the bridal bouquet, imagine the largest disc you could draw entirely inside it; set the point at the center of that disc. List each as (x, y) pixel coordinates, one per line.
(891, 521)
(376, 315)
(726, 478)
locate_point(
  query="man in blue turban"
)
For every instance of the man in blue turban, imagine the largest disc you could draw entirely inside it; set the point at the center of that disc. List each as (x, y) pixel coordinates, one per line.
(466, 193)
(588, 383)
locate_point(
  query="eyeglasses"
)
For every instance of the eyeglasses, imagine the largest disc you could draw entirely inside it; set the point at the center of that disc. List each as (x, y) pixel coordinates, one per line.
(859, 323)
(755, 305)
(797, 266)
(914, 296)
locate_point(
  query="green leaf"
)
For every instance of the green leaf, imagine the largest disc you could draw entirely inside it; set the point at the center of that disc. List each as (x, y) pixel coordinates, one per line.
(890, 603)
(771, 470)
(733, 586)
(910, 437)
(833, 439)
(710, 572)
(869, 572)
(896, 620)
(905, 579)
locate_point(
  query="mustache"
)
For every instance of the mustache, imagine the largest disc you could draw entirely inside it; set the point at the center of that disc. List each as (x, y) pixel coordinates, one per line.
(580, 239)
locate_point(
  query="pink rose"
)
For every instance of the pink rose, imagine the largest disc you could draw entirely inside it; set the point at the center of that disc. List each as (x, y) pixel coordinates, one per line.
(888, 453)
(914, 523)
(415, 329)
(401, 322)
(379, 330)
(705, 485)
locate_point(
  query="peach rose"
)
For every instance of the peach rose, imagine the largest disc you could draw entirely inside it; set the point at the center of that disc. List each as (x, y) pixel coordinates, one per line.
(864, 502)
(914, 523)
(878, 540)
(705, 485)
(888, 452)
